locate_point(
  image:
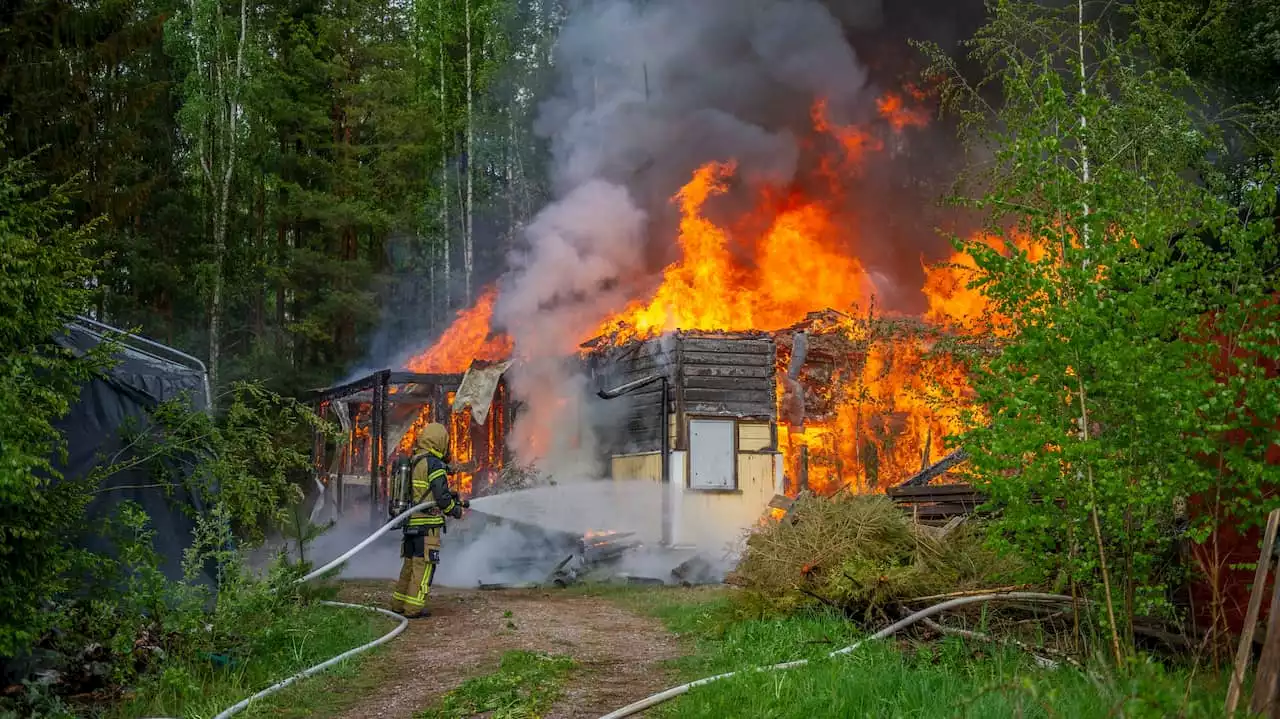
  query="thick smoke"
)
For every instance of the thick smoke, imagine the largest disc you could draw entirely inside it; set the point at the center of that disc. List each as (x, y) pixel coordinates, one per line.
(649, 92)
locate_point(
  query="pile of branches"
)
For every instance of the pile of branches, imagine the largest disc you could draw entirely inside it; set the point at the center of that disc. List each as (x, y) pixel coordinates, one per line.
(863, 555)
(513, 477)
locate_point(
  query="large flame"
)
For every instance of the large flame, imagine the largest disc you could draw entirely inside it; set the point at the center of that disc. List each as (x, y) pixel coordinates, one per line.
(470, 337)
(955, 302)
(890, 399)
(797, 267)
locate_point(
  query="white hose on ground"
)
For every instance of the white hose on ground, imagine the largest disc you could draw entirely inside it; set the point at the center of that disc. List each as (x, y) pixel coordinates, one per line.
(367, 541)
(672, 693)
(237, 708)
(325, 665)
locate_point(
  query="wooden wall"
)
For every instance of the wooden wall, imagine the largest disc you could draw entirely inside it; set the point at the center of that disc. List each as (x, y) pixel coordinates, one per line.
(713, 375)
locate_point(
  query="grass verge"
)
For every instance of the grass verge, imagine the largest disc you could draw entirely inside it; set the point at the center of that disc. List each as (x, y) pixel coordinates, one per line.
(292, 642)
(525, 685)
(898, 678)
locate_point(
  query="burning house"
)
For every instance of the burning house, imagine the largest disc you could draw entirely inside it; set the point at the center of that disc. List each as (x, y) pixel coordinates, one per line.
(719, 421)
(694, 243)
(831, 403)
(381, 415)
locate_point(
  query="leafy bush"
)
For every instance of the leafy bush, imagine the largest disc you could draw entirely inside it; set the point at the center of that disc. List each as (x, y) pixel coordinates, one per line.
(252, 458)
(1134, 288)
(42, 283)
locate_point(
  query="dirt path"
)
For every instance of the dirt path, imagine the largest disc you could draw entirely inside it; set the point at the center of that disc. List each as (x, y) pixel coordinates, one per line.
(619, 654)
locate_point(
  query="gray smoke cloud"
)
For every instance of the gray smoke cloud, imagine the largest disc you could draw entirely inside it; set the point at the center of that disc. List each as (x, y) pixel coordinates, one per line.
(648, 92)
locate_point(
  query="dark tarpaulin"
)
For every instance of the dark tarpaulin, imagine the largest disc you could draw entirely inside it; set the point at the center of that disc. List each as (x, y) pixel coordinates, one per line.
(124, 398)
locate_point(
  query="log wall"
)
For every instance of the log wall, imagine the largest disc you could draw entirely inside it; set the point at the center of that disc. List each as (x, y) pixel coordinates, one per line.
(712, 375)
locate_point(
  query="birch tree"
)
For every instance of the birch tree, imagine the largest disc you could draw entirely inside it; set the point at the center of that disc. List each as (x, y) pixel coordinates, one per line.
(214, 36)
(468, 239)
(1125, 275)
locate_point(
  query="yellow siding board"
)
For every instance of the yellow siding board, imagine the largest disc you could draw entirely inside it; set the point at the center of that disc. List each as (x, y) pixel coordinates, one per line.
(637, 466)
(753, 436)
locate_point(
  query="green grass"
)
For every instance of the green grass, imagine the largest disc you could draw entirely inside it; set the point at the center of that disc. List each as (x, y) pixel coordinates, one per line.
(525, 685)
(896, 678)
(292, 642)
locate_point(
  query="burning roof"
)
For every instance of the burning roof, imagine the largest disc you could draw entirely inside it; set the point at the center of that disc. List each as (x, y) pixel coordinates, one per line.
(874, 398)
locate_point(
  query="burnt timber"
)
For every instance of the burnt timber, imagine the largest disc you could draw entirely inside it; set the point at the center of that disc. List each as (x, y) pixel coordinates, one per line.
(711, 374)
(937, 505)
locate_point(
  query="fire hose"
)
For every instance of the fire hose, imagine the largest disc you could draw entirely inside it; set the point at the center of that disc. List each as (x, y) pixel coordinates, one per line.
(630, 709)
(244, 704)
(672, 693)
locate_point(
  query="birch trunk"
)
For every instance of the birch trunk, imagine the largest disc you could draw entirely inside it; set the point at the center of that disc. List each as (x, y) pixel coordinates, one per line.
(218, 157)
(445, 229)
(1118, 655)
(467, 240)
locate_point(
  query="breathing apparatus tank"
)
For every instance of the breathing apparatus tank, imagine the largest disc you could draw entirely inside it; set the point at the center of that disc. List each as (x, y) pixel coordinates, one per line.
(402, 484)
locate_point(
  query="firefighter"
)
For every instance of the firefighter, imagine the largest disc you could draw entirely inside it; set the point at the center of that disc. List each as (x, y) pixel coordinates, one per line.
(420, 547)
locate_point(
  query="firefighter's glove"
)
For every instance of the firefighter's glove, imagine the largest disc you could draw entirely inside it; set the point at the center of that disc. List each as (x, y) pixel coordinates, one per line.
(466, 504)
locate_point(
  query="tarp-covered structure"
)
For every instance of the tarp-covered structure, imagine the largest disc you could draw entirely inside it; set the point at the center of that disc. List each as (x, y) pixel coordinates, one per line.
(114, 406)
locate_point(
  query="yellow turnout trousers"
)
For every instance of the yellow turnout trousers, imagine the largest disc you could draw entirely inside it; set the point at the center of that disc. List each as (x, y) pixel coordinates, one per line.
(420, 553)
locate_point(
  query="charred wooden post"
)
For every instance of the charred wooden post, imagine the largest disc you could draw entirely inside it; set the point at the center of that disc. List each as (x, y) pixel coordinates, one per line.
(928, 474)
(376, 441)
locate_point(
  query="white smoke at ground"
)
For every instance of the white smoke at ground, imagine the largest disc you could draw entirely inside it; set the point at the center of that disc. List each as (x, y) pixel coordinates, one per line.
(521, 537)
(380, 560)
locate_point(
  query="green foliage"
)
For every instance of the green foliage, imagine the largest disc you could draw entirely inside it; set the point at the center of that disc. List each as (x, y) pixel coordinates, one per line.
(42, 283)
(525, 685)
(1119, 284)
(252, 458)
(260, 630)
(180, 648)
(904, 678)
(1234, 45)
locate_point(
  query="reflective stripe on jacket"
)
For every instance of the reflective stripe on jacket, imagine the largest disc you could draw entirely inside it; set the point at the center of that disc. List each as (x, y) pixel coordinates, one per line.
(430, 478)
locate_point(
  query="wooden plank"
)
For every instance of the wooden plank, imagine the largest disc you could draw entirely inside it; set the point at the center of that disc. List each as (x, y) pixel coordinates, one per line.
(740, 396)
(971, 504)
(1251, 617)
(931, 490)
(728, 383)
(967, 500)
(1266, 682)
(781, 501)
(752, 410)
(640, 365)
(971, 497)
(754, 436)
(760, 373)
(740, 346)
(937, 511)
(927, 474)
(726, 359)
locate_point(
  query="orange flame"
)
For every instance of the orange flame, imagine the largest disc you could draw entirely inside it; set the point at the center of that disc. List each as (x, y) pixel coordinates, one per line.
(889, 399)
(799, 265)
(470, 337)
(953, 302)
(898, 115)
(410, 437)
